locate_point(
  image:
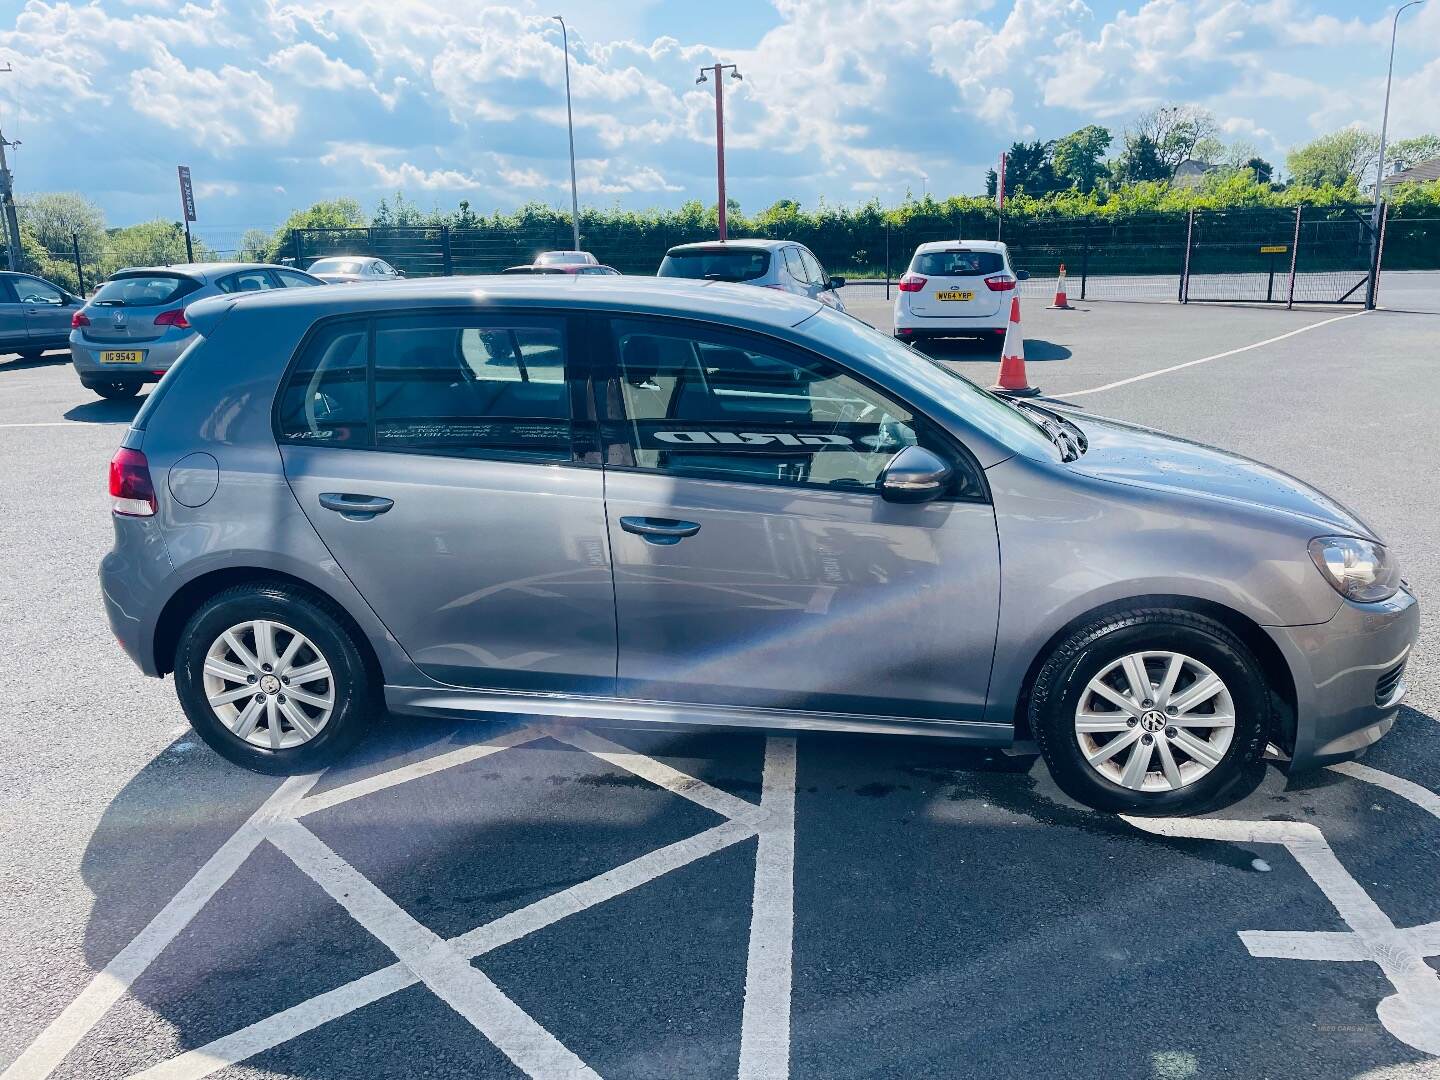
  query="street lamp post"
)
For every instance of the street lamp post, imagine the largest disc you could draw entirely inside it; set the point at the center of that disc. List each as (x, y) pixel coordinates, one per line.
(570, 123)
(1380, 167)
(718, 70)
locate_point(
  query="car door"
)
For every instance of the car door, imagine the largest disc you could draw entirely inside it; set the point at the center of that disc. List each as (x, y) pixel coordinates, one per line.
(455, 502)
(13, 333)
(821, 280)
(47, 310)
(755, 564)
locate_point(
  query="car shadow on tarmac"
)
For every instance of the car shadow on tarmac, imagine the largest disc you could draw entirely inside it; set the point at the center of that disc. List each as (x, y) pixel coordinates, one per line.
(19, 363)
(104, 411)
(954, 349)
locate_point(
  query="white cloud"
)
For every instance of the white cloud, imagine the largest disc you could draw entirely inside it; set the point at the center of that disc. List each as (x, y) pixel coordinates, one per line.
(308, 65)
(228, 108)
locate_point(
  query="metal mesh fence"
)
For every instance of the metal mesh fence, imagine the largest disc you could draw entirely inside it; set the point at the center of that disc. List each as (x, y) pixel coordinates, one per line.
(1208, 255)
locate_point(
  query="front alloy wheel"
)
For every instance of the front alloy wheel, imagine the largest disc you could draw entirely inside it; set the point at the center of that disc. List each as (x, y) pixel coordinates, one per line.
(1150, 711)
(1155, 721)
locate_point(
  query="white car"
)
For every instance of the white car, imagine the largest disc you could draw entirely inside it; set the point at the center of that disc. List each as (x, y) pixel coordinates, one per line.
(351, 269)
(566, 258)
(956, 288)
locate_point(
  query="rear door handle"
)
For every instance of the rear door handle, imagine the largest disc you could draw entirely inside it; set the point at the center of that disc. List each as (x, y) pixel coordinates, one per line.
(355, 507)
(659, 530)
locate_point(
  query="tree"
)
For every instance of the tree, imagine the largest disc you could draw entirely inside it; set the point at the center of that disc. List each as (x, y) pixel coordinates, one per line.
(1259, 168)
(332, 214)
(55, 219)
(1078, 157)
(151, 243)
(1347, 154)
(1140, 161)
(1175, 130)
(1028, 169)
(255, 246)
(1406, 153)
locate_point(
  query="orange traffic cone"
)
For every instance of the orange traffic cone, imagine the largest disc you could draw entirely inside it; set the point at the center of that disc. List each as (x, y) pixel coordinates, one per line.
(1012, 359)
(1062, 302)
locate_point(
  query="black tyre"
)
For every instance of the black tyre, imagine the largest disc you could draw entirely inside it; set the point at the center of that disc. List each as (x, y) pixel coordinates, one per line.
(1151, 712)
(271, 678)
(31, 354)
(115, 391)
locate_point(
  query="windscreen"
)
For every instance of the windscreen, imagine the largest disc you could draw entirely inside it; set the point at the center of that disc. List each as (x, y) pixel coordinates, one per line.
(143, 290)
(958, 263)
(337, 266)
(716, 264)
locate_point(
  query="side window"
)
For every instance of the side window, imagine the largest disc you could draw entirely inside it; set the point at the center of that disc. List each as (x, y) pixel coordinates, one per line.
(813, 268)
(7, 292)
(446, 385)
(34, 291)
(326, 398)
(247, 281)
(795, 266)
(733, 407)
(289, 279)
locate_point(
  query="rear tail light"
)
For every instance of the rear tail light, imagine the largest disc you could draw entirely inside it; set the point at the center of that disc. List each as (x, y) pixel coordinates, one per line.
(131, 492)
(1000, 283)
(78, 320)
(912, 283)
(175, 317)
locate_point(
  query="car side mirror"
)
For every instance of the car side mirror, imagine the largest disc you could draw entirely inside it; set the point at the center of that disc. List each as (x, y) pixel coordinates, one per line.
(1022, 275)
(835, 283)
(915, 475)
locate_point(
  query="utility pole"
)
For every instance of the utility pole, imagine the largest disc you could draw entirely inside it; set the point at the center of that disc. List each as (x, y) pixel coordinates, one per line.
(705, 72)
(570, 122)
(7, 197)
(1380, 166)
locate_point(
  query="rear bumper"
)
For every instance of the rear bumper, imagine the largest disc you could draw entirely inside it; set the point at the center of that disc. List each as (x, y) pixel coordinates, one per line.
(910, 327)
(159, 355)
(1347, 689)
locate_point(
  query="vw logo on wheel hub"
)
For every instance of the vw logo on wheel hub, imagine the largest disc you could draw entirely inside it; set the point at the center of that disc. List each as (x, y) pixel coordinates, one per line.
(269, 684)
(1153, 721)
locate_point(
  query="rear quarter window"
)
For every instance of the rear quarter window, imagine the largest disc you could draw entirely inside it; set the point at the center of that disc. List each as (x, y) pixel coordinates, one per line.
(144, 290)
(958, 263)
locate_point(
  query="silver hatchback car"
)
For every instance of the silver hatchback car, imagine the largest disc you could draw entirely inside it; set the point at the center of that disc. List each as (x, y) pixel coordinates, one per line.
(134, 326)
(666, 503)
(782, 265)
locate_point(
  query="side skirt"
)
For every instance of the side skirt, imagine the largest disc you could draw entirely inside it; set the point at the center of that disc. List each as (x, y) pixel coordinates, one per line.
(459, 704)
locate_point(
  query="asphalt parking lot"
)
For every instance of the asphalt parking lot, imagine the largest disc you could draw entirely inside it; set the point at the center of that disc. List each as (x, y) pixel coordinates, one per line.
(512, 898)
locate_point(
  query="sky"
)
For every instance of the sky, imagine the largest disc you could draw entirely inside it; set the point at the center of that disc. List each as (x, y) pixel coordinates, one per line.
(275, 104)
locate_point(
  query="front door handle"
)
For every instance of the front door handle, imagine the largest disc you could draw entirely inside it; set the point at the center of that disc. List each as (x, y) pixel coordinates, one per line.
(659, 530)
(355, 507)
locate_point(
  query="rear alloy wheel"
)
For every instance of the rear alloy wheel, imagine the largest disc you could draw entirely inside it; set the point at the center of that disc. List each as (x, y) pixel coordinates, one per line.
(1151, 712)
(272, 679)
(116, 391)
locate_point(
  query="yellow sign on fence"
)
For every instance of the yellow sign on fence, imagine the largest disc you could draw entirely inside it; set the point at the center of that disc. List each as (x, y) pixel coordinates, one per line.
(1274, 249)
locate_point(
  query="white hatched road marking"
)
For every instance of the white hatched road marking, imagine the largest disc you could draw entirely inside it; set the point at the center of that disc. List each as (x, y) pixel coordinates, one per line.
(1412, 1013)
(444, 966)
(1206, 359)
(107, 987)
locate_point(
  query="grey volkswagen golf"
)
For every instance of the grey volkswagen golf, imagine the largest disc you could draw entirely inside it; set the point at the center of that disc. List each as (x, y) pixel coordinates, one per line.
(681, 503)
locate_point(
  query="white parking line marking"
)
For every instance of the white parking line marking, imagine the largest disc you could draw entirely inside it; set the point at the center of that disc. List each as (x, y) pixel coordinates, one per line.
(444, 966)
(660, 774)
(1422, 797)
(1412, 1013)
(61, 423)
(439, 763)
(110, 984)
(765, 1022)
(321, 1009)
(448, 975)
(1206, 359)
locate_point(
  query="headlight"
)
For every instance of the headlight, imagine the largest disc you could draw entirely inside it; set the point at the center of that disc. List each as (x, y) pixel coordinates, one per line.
(1358, 569)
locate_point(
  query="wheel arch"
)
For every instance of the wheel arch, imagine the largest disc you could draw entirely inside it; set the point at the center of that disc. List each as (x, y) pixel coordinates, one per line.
(1273, 666)
(189, 597)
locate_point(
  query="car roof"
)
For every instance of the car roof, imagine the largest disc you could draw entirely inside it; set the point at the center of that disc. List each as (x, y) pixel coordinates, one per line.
(707, 300)
(204, 271)
(757, 244)
(971, 245)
